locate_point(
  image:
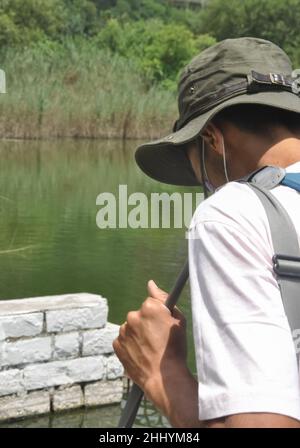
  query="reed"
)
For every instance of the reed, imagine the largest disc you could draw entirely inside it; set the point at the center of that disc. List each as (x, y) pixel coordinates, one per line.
(76, 89)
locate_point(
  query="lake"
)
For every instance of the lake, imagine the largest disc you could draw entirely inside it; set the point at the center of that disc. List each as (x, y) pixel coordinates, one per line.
(50, 243)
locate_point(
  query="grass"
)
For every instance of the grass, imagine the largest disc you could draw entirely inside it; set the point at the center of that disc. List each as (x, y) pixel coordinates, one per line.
(79, 90)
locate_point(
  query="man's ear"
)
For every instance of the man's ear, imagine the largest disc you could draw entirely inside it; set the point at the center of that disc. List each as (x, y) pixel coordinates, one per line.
(213, 137)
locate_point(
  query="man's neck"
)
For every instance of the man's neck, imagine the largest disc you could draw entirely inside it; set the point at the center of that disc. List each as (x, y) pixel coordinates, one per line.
(284, 153)
(281, 148)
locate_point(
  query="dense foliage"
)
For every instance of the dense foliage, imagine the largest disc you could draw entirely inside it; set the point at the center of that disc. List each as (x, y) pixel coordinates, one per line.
(155, 34)
(275, 20)
(95, 68)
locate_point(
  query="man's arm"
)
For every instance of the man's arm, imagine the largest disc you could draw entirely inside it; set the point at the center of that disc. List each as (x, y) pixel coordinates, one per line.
(152, 348)
(177, 399)
(175, 395)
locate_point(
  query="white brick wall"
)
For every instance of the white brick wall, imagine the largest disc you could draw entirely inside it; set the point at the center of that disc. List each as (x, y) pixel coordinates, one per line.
(98, 342)
(18, 326)
(34, 403)
(103, 392)
(58, 373)
(76, 319)
(66, 345)
(46, 303)
(25, 351)
(114, 368)
(11, 382)
(57, 349)
(67, 398)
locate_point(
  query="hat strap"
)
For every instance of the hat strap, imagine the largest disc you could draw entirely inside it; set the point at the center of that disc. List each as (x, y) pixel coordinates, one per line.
(255, 82)
(258, 82)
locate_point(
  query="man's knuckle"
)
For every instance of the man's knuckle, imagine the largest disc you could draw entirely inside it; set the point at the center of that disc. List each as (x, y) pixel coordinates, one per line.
(132, 318)
(148, 306)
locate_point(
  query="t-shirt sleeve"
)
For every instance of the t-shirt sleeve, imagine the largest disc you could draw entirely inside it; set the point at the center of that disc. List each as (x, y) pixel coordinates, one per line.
(245, 354)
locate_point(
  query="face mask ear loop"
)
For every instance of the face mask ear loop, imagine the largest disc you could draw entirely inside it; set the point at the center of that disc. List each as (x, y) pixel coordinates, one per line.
(202, 165)
(224, 161)
(203, 160)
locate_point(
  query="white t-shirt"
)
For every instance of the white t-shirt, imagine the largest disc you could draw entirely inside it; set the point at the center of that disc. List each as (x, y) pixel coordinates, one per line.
(244, 349)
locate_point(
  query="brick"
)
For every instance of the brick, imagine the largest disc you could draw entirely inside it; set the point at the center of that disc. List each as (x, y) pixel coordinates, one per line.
(58, 373)
(20, 326)
(98, 342)
(67, 398)
(114, 368)
(76, 319)
(10, 382)
(34, 403)
(66, 345)
(60, 302)
(103, 392)
(26, 351)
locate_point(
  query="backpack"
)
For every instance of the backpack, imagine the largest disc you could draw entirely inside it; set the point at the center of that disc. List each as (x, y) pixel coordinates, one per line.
(286, 259)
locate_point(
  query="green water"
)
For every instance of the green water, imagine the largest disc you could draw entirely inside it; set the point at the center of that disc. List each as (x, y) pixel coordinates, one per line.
(49, 240)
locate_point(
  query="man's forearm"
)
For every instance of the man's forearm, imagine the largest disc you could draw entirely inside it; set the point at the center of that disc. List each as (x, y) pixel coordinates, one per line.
(175, 393)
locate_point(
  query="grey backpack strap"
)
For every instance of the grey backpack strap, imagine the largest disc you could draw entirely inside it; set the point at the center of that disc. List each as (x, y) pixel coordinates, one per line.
(286, 260)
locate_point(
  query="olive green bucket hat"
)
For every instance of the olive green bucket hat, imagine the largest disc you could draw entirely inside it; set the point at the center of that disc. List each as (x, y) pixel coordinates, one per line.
(235, 71)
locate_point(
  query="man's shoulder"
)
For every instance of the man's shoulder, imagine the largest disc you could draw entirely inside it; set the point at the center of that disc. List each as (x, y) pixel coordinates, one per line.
(234, 204)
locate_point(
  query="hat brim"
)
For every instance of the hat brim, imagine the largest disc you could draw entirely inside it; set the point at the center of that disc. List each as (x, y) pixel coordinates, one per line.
(164, 159)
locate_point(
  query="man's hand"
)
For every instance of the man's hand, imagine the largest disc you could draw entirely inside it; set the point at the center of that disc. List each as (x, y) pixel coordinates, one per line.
(152, 347)
(152, 342)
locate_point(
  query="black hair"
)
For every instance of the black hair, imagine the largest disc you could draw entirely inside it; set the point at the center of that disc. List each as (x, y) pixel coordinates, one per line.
(258, 118)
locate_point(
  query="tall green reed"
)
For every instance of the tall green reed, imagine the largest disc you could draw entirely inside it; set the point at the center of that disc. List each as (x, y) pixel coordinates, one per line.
(76, 89)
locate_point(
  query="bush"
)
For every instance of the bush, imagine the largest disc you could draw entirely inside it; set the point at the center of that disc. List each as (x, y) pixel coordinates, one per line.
(23, 22)
(159, 50)
(8, 31)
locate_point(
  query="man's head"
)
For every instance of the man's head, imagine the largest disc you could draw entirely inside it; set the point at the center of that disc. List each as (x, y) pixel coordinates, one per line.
(236, 102)
(242, 138)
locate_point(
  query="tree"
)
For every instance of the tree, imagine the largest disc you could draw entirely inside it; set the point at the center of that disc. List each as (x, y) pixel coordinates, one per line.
(159, 50)
(23, 22)
(8, 31)
(275, 20)
(139, 9)
(105, 4)
(80, 17)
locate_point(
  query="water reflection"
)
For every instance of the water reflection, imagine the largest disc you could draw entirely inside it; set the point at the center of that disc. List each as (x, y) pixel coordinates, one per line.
(49, 241)
(104, 417)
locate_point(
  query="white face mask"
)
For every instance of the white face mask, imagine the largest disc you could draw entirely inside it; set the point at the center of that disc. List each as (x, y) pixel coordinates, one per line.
(209, 186)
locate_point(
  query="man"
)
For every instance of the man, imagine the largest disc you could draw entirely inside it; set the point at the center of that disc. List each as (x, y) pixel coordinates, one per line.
(238, 113)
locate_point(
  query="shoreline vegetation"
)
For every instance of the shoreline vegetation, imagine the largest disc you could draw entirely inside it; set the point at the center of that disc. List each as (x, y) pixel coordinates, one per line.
(80, 92)
(109, 68)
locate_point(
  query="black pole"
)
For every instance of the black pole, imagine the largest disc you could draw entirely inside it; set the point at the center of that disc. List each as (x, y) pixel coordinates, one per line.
(136, 394)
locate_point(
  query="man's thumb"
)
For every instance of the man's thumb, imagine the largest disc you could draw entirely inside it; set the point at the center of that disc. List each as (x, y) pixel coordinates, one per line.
(156, 292)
